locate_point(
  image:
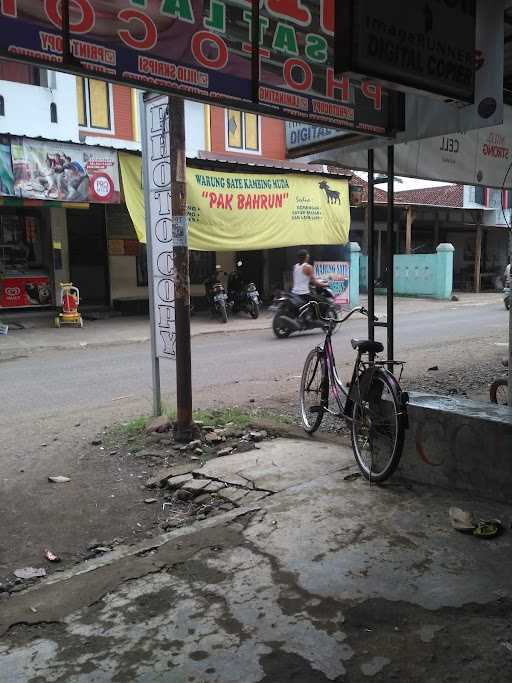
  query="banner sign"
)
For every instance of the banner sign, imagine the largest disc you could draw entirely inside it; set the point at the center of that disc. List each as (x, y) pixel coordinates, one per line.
(230, 211)
(65, 172)
(202, 50)
(6, 174)
(247, 211)
(478, 157)
(337, 274)
(160, 222)
(414, 48)
(303, 135)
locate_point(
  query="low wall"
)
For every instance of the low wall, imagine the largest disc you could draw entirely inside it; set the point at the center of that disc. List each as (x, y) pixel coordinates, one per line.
(427, 275)
(459, 444)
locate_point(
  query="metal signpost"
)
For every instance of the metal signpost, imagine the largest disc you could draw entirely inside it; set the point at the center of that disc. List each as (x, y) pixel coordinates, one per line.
(165, 199)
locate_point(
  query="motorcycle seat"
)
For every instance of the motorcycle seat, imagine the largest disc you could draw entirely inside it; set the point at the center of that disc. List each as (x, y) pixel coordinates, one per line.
(367, 346)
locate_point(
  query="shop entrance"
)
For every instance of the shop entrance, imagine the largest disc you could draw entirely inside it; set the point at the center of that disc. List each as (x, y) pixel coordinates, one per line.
(88, 257)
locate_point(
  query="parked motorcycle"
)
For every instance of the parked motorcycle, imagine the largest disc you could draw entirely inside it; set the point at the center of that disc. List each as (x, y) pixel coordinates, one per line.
(216, 295)
(292, 315)
(243, 297)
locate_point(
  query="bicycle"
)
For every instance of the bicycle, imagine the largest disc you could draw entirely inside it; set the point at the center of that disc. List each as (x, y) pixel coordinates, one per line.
(375, 407)
(498, 390)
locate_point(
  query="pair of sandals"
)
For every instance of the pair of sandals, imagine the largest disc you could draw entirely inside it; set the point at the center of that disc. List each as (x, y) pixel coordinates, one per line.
(465, 522)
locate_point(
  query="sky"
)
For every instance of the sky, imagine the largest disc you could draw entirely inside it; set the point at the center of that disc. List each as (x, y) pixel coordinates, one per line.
(402, 183)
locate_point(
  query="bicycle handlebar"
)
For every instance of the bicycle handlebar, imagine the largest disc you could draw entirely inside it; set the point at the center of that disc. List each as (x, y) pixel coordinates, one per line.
(358, 309)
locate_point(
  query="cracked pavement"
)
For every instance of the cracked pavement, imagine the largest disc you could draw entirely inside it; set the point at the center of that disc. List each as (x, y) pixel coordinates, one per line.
(327, 579)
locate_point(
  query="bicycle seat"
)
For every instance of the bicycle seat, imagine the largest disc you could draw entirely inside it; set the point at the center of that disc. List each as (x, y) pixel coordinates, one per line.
(367, 346)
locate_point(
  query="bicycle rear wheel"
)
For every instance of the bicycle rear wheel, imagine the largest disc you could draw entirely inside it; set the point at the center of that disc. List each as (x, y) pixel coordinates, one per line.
(314, 391)
(499, 391)
(378, 427)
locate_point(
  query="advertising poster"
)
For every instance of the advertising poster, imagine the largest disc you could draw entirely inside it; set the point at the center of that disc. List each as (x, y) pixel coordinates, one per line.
(202, 49)
(6, 175)
(337, 274)
(30, 290)
(246, 211)
(478, 157)
(258, 211)
(65, 172)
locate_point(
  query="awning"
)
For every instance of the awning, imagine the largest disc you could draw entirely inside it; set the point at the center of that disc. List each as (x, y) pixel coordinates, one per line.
(235, 211)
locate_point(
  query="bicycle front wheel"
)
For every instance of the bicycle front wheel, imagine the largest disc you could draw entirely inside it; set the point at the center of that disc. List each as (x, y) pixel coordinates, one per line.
(314, 391)
(377, 424)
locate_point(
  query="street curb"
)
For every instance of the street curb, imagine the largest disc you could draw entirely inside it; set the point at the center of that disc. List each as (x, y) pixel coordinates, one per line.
(25, 351)
(124, 551)
(292, 431)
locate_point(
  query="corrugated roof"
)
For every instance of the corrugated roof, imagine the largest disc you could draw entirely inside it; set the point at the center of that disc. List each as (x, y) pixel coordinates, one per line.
(448, 196)
(243, 162)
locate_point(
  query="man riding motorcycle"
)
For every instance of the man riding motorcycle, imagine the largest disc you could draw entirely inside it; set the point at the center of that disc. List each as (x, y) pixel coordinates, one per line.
(290, 316)
(304, 277)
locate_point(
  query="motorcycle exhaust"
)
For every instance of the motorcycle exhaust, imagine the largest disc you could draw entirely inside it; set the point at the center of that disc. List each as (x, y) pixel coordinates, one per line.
(291, 323)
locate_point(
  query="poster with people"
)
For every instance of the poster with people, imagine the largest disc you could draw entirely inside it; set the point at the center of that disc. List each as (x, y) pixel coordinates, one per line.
(64, 172)
(6, 175)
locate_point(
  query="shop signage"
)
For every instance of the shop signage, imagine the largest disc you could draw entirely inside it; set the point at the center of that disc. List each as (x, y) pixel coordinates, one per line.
(202, 49)
(337, 274)
(65, 172)
(478, 157)
(245, 211)
(160, 223)
(428, 46)
(303, 135)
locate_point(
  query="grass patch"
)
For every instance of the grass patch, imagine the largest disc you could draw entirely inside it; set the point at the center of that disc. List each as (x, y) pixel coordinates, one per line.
(135, 426)
(223, 416)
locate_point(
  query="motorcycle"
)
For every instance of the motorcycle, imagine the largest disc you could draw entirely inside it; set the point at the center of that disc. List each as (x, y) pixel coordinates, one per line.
(506, 297)
(293, 315)
(243, 297)
(216, 295)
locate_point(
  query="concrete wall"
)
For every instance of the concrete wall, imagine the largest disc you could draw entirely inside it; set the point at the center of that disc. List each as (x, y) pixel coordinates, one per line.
(427, 275)
(27, 109)
(194, 128)
(459, 444)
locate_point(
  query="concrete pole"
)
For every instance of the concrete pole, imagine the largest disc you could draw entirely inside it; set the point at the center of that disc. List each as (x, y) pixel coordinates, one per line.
(409, 217)
(478, 257)
(184, 426)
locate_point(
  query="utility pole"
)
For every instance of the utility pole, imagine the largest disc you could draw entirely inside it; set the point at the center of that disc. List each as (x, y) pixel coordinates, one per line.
(509, 401)
(184, 427)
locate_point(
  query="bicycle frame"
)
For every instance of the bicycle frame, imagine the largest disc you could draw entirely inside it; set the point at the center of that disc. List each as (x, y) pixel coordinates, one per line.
(335, 383)
(341, 395)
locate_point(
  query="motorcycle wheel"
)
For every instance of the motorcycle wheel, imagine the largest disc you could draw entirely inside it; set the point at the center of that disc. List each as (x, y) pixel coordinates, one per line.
(254, 309)
(223, 313)
(279, 329)
(506, 301)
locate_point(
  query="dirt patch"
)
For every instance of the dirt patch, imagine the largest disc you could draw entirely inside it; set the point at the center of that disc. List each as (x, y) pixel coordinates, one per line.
(107, 501)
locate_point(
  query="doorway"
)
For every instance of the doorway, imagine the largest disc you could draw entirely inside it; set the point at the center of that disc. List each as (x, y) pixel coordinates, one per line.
(88, 255)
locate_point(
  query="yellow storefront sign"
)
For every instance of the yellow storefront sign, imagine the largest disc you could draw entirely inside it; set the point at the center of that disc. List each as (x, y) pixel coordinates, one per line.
(245, 211)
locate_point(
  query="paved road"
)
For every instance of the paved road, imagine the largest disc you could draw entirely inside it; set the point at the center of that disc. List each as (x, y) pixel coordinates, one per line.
(229, 366)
